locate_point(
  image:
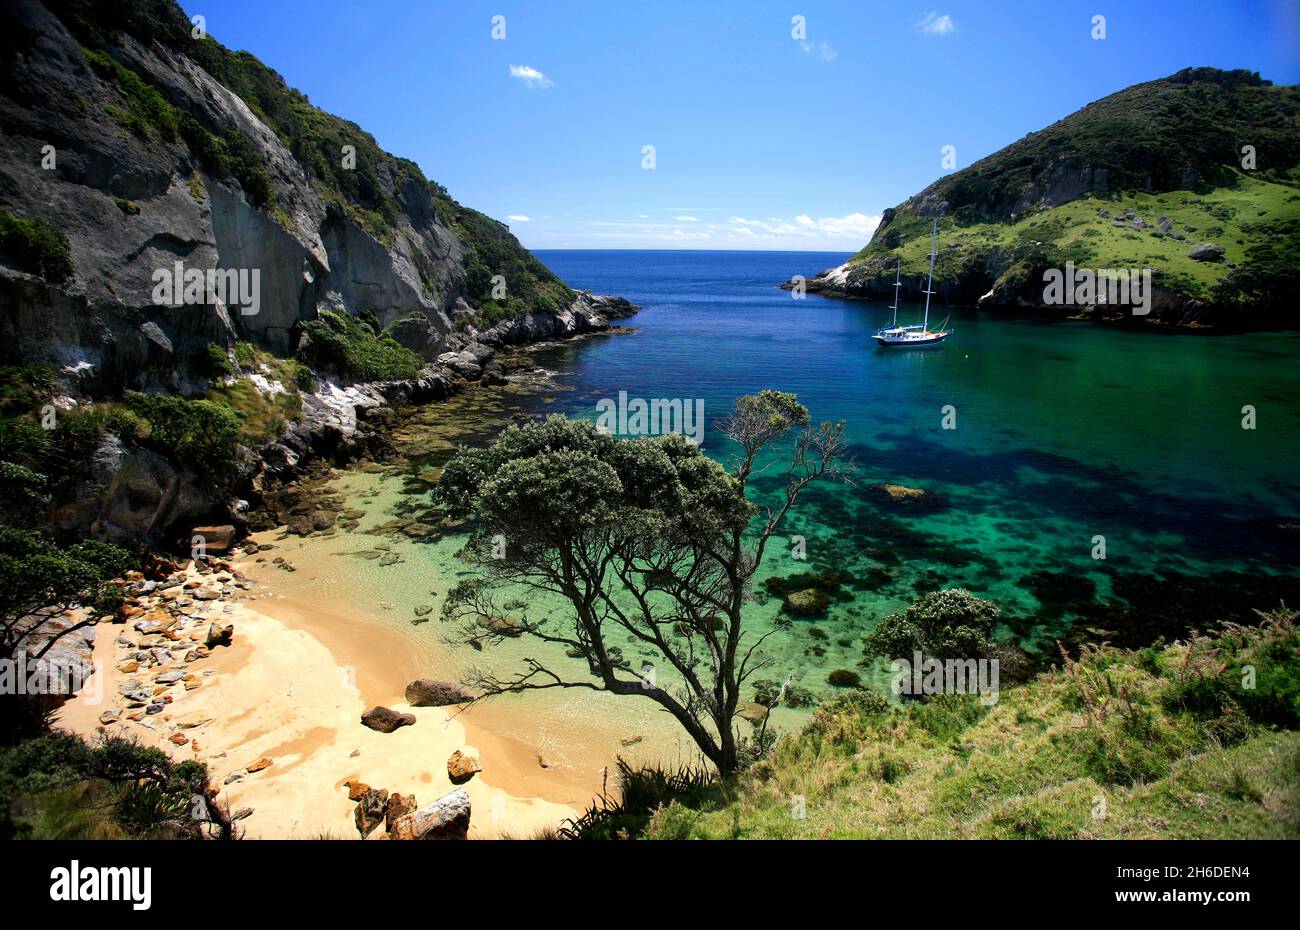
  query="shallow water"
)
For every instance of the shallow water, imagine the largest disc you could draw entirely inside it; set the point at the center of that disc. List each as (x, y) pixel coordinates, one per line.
(1063, 432)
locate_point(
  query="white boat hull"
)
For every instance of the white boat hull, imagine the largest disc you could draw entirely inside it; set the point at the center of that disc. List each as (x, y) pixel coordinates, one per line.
(909, 340)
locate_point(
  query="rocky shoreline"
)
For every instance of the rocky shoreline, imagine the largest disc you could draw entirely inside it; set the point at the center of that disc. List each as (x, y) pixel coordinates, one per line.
(872, 280)
(138, 497)
(189, 629)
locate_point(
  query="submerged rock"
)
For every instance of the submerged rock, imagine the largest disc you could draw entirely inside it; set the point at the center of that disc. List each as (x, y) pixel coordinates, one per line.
(809, 602)
(431, 692)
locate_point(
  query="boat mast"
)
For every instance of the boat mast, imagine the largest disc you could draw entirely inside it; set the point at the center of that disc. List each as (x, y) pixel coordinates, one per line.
(929, 283)
(898, 282)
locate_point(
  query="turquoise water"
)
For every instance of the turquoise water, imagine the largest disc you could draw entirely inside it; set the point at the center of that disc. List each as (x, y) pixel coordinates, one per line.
(1064, 432)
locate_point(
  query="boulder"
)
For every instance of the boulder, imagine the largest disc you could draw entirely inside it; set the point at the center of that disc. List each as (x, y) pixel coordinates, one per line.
(215, 538)
(1207, 252)
(398, 807)
(219, 635)
(370, 811)
(899, 493)
(445, 819)
(430, 692)
(385, 719)
(357, 789)
(461, 768)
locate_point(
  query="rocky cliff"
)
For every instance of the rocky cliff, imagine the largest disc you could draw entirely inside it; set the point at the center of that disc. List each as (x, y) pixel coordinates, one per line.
(176, 220)
(1195, 177)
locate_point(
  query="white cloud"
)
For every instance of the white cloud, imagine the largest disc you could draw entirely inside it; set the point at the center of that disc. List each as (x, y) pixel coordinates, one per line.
(856, 225)
(530, 76)
(686, 230)
(519, 218)
(822, 50)
(932, 24)
(851, 227)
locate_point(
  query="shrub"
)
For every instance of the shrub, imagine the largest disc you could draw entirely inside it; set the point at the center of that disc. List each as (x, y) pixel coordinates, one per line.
(216, 361)
(35, 246)
(196, 433)
(346, 345)
(844, 678)
(59, 786)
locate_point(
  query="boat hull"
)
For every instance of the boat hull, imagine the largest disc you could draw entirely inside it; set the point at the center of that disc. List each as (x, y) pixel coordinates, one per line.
(926, 342)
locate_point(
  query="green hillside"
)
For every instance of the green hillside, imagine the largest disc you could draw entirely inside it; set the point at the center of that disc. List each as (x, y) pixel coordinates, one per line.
(1139, 179)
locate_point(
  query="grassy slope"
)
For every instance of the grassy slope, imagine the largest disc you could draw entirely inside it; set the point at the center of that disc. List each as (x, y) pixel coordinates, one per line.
(1176, 757)
(1150, 139)
(1233, 216)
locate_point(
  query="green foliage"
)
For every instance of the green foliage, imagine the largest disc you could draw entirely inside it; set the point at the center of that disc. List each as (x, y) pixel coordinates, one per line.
(216, 360)
(547, 481)
(1269, 276)
(641, 793)
(35, 246)
(952, 624)
(1149, 137)
(1165, 148)
(530, 285)
(345, 344)
(200, 434)
(35, 573)
(148, 113)
(261, 417)
(59, 786)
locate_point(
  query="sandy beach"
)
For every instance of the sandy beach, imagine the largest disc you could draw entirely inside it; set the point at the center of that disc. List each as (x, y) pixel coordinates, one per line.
(291, 688)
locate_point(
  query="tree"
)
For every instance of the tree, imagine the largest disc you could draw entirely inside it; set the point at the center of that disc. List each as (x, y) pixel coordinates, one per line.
(39, 580)
(647, 539)
(116, 787)
(952, 624)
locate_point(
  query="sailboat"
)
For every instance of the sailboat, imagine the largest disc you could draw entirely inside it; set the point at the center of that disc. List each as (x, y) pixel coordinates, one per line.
(918, 335)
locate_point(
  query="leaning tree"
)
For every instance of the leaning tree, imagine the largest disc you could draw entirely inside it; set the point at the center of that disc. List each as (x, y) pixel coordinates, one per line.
(646, 540)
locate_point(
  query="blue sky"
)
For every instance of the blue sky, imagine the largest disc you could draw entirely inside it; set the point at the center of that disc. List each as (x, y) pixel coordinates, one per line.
(761, 139)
